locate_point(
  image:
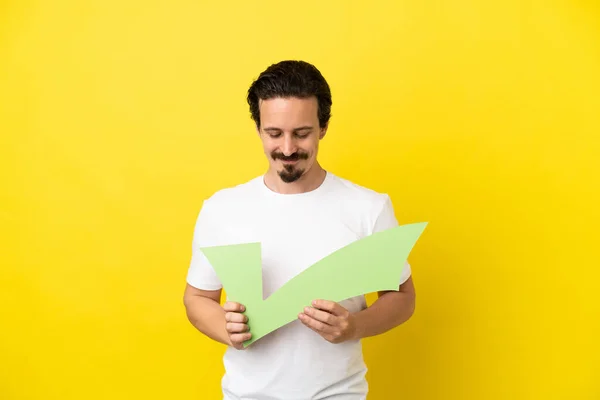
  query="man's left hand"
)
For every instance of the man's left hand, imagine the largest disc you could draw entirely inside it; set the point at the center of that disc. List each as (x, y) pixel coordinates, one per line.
(330, 320)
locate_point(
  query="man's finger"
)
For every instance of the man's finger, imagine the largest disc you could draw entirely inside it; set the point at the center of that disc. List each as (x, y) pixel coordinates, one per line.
(233, 307)
(235, 317)
(330, 306)
(323, 316)
(240, 338)
(317, 326)
(235, 327)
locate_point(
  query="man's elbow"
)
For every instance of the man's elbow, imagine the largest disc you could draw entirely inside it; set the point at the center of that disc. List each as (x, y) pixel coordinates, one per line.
(411, 307)
(407, 289)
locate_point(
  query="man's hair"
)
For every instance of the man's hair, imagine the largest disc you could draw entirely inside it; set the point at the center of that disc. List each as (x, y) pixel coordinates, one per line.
(291, 78)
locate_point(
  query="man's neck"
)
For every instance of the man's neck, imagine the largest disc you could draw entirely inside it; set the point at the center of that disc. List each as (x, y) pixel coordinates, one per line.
(308, 182)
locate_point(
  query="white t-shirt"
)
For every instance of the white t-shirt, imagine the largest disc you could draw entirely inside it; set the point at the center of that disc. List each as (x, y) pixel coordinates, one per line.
(295, 231)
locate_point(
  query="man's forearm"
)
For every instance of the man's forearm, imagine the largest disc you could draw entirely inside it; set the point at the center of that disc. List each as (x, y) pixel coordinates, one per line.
(208, 317)
(388, 311)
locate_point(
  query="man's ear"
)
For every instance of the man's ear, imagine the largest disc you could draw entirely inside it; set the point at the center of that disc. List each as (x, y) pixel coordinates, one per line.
(323, 131)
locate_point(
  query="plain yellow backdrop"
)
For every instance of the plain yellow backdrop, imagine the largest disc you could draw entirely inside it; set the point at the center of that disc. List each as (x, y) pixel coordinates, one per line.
(117, 118)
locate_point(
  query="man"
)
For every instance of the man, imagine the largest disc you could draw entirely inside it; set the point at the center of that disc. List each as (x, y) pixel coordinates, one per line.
(300, 213)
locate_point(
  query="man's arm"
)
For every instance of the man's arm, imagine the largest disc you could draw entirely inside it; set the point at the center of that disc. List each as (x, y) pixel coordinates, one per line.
(226, 325)
(336, 324)
(392, 308)
(204, 311)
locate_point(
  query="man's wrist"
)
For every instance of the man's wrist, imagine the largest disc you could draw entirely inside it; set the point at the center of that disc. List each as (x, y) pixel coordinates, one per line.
(359, 329)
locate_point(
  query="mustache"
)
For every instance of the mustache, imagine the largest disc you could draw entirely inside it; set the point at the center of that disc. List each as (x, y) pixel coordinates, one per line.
(292, 157)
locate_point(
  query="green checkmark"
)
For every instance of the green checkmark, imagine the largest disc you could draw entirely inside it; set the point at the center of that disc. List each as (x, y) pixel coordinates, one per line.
(367, 265)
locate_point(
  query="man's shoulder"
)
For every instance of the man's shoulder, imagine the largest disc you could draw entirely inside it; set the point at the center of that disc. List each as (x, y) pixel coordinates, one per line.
(247, 187)
(234, 194)
(354, 191)
(361, 206)
(355, 199)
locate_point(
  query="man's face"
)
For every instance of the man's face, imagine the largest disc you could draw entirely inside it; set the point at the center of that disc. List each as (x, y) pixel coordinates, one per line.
(290, 135)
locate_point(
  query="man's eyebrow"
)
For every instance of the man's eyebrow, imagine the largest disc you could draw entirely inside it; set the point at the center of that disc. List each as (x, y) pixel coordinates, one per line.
(301, 128)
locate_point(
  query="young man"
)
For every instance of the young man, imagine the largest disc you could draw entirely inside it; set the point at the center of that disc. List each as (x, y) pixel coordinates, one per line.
(300, 213)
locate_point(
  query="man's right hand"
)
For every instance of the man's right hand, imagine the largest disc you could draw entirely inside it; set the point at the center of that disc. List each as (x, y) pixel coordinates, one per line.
(236, 324)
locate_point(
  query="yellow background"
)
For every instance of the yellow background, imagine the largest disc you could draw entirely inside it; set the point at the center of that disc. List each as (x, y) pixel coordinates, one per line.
(118, 118)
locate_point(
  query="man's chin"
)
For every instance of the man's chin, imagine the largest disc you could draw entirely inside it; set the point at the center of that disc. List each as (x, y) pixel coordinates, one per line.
(290, 176)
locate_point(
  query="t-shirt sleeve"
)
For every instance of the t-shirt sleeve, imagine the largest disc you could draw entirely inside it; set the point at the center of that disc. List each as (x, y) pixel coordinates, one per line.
(386, 220)
(201, 274)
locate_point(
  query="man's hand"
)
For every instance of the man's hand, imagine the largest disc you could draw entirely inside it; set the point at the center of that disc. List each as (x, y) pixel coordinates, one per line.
(236, 324)
(330, 320)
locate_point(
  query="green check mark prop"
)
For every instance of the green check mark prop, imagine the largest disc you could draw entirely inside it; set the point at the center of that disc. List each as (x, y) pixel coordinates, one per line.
(367, 265)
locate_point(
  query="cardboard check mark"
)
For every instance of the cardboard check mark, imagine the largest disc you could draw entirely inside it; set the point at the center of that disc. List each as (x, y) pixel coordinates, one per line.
(367, 265)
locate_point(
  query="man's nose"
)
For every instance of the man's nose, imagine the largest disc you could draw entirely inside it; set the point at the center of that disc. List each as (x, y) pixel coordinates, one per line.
(288, 146)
